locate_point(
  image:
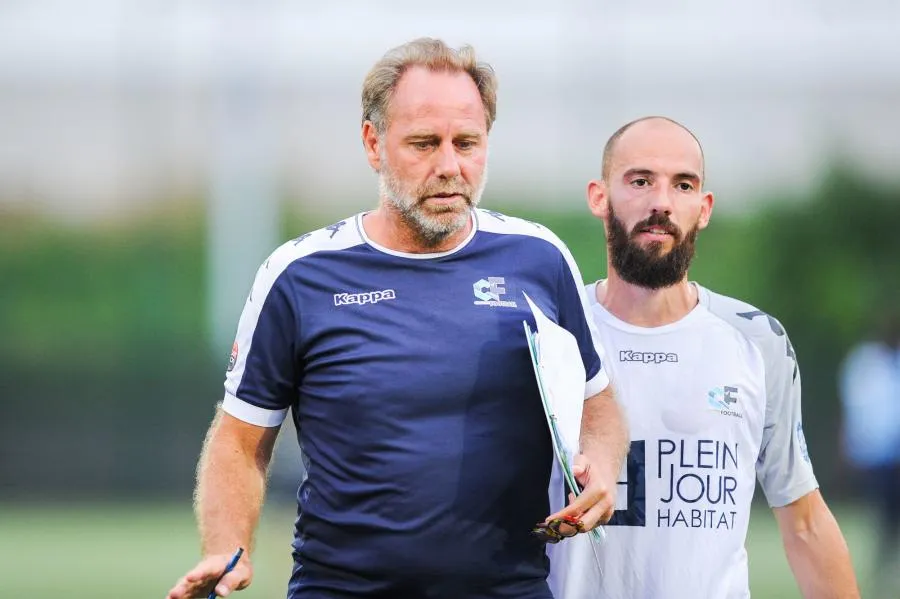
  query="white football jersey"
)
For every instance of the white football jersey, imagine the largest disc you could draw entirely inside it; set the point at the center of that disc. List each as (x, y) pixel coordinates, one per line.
(713, 403)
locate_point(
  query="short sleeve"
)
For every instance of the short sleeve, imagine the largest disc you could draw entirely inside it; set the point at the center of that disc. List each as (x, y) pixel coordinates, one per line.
(575, 316)
(262, 379)
(783, 467)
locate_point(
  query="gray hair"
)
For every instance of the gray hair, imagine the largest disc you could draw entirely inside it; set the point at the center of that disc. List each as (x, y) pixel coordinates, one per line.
(434, 55)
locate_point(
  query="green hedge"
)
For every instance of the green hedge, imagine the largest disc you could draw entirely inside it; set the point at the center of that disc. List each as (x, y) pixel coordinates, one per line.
(110, 321)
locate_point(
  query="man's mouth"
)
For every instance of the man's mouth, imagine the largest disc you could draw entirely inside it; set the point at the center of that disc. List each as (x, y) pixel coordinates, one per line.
(656, 230)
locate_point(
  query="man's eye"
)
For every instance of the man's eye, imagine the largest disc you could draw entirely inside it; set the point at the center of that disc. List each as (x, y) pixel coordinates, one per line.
(684, 186)
(465, 144)
(421, 145)
(640, 182)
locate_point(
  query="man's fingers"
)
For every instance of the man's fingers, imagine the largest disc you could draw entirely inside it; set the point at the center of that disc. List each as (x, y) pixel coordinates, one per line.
(599, 514)
(588, 499)
(204, 576)
(179, 591)
(236, 580)
(203, 571)
(581, 469)
(580, 507)
(188, 590)
(575, 509)
(208, 569)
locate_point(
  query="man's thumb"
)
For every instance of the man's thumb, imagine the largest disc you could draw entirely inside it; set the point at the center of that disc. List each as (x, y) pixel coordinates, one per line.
(579, 465)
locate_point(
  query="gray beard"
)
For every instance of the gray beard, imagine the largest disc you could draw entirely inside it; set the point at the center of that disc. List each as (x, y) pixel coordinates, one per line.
(431, 228)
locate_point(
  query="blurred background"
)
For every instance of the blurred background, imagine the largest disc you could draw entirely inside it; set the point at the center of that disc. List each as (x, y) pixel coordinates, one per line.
(153, 152)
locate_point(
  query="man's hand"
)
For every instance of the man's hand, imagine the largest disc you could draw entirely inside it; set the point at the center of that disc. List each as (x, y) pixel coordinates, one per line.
(199, 582)
(596, 503)
(604, 444)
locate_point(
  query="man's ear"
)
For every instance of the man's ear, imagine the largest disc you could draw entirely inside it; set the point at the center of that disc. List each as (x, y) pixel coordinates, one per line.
(372, 144)
(598, 198)
(706, 208)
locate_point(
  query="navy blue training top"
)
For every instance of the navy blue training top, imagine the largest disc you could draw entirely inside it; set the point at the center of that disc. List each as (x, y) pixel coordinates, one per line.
(426, 448)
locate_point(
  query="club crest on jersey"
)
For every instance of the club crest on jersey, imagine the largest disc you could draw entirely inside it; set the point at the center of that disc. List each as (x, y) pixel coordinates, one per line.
(626, 355)
(488, 292)
(368, 297)
(801, 441)
(724, 400)
(234, 355)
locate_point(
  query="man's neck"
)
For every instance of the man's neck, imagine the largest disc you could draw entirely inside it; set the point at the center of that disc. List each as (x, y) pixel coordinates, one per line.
(387, 228)
(644, 307)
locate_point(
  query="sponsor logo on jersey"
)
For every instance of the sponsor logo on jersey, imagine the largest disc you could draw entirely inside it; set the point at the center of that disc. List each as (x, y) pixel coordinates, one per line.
(368, 297)
(626, 355)
(724, 400)
(489, 291)
(699, 484)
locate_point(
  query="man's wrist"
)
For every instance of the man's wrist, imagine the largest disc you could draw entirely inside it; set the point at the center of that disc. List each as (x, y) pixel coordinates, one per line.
(605, 466)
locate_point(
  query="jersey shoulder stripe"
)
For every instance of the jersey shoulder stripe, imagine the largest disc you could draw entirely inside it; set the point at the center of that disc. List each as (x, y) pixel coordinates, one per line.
(335, 237)
(762, 329)
(341, 235)
(490, 221)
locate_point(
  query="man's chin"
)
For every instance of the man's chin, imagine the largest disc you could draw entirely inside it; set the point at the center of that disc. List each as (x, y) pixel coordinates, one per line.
(656, 247)
(439, 205)
(448, 221)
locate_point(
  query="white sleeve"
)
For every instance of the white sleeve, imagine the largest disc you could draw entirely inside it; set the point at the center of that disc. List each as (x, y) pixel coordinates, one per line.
(783, 467)
(261, 380)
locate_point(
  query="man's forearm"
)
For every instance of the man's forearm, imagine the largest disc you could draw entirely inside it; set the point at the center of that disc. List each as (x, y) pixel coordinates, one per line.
(231, 481)
(604, 433)
(816, 550)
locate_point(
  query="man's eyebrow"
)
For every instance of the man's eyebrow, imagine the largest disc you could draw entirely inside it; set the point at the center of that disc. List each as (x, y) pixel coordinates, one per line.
(644, 172)
(423, 135)
(688, 175)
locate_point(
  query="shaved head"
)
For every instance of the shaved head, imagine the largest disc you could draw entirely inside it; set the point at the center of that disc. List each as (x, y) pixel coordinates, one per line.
(651, 200)
(609, 150)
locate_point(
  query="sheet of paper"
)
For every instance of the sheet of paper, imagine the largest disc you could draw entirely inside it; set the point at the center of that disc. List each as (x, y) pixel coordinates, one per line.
(559, 370)
(563, 376)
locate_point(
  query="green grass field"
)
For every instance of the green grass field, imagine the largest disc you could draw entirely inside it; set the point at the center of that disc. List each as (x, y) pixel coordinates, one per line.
(136, 551)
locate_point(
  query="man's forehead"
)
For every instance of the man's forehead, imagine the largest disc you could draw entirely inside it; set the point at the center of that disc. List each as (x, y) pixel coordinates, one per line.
(657, 145)
(433, 96)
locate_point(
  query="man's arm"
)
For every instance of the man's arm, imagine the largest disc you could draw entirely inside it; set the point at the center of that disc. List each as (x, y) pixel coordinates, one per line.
(816, 550)
(604, 445)
(231, 482)
(604, 434)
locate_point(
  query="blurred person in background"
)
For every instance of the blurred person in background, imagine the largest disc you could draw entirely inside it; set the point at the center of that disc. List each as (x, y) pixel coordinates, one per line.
(870, 394)
(395, 338)
(711, 390)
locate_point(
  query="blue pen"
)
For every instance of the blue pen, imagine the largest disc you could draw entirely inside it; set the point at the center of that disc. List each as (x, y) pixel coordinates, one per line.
(234, 560)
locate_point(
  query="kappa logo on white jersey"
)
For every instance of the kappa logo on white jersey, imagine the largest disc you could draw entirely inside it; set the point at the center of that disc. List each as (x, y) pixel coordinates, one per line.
(724, 400)
(488, 292)
(369, 297)
(626, 355)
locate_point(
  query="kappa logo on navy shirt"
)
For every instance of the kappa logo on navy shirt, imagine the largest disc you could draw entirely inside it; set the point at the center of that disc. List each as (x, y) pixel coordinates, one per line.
(368, 297)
